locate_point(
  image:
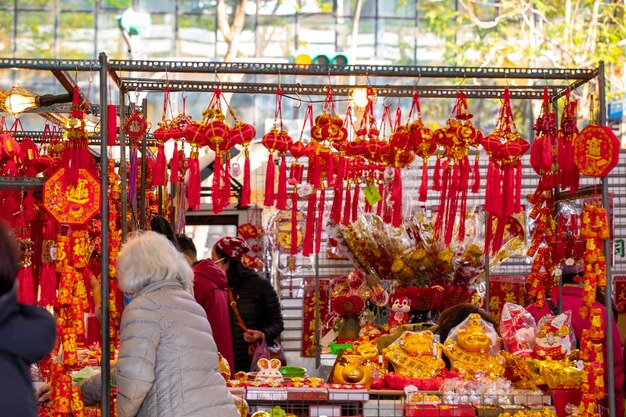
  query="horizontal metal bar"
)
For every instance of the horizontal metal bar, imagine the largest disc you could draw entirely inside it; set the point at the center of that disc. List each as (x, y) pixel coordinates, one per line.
(529, 92)
(21, 183)
(364, 70)
(50, 64)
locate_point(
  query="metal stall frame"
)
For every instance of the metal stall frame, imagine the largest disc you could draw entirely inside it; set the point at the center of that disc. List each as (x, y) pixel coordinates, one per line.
(100, 65)
(117, 70)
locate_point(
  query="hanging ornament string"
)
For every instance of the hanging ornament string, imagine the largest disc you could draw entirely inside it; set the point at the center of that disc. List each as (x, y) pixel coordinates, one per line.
(162, 134)
(569, 172)
(505, 148)
(542, 152)
(342, 164)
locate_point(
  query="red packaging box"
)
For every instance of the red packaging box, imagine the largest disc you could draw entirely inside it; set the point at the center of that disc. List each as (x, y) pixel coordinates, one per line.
(439, 410)
(562, 397)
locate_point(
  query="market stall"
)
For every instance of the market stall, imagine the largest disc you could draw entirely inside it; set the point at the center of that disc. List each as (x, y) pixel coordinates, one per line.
(401, 260)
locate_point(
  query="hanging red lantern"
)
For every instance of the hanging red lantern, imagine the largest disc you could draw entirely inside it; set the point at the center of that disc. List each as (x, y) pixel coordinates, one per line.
(243, 133)
(505, 148)
(194, 135)
(569, 172)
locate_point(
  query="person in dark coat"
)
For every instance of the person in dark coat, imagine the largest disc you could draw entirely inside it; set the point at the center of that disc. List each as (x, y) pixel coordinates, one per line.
(255, 299)
(209, 290)
(27, 335)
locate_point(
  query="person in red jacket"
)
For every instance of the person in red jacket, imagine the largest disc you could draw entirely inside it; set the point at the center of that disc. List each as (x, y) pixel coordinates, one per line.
(209, 289)
(572, 300)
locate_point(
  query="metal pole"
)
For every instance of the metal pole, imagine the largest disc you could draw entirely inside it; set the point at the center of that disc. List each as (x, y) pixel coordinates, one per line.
(487, 271)
(122, 170)
(318, 330)
(105, 374)
(144, 163)
(608, 300)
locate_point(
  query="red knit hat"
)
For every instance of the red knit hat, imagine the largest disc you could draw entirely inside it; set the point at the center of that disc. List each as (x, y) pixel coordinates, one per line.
(233, 247)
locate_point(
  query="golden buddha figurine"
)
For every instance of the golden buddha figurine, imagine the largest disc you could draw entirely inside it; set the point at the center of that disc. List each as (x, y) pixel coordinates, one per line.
(472, 351)
(414, 355)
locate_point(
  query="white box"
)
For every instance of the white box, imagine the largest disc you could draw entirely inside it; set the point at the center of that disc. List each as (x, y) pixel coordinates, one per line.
(267, 394)
(325, 410)
(335, 394)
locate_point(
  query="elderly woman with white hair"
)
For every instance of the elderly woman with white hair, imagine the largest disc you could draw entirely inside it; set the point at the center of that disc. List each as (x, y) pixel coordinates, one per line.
(168, 363)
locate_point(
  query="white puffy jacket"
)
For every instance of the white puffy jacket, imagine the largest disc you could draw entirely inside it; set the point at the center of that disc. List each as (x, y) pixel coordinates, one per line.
(168, 365)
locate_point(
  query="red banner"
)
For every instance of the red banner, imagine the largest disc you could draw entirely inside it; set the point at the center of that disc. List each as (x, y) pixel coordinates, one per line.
(505, 289)
(309, 332)
(620, 292)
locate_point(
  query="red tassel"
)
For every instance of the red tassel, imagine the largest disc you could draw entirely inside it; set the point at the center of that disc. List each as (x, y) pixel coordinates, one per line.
(26, 286)
(355, 201)
(496, 196)
(508, 192)
(335, 210)
(341, 172)
(465, 172)
(174, 165)
(443, 201)
(193, 188)
(476, 176)
(47, 285)
(269, 182)
(320, 216)
(315, 178)
(437, 175)
(294, 222)
(489, 232)
(379, 207)
(452, 204)
(330, 169)
(346, 207)
(111, 124)
(225, 183)
(518, 188)
(216, 185)
(158, 174)
(423, 192)
(245, 190)
(309, 232)
(281, 197)
(396, 198)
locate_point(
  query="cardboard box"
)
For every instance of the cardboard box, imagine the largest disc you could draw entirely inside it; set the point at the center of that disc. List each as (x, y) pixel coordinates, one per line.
(439, 410)
(325, 410)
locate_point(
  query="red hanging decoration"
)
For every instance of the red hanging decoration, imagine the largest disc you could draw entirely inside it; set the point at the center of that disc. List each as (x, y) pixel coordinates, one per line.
(162, 134)
(276, 140)
(48, 277)
(424, 144)
(194, 135)
(25, 282)
(542, 154)
(309, 231)
(76, 154)
(568, 171)
(505, 147)
(456, 138)
(244, 133)
(174, 165)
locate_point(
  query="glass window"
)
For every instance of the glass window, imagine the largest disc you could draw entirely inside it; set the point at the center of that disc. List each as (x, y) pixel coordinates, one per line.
(316, 34)
(73, 5)
(35, 37)
(156, 6)
(160, 41)
(197, 6)
(110, 38)
(348, 7)
(116, 4)
(196, 35)
(397, 40)
(275, 36)
(6, 33)
(35, 4)
(365, 40)
(397, 8)
(76, 35)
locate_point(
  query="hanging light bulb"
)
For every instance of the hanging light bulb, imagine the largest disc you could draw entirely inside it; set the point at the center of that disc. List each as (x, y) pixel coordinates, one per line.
(359, 97)
(18, 100)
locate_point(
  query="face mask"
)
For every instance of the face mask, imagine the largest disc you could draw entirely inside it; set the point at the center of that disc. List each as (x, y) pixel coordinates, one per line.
(128, 298)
